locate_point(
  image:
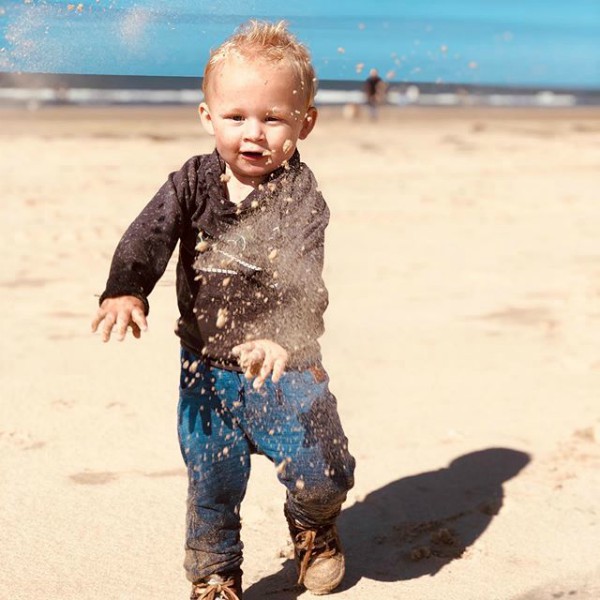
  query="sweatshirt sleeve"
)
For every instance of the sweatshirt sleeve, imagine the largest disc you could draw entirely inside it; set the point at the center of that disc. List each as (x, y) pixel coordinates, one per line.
(294, 294)
(143, 253)
(303, 296)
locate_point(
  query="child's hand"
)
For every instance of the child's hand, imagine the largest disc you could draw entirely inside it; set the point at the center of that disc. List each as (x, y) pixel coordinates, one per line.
(259, 358)
(124, 312)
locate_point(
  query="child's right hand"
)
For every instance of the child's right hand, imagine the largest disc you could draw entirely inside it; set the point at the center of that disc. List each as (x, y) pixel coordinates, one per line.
(124, 312)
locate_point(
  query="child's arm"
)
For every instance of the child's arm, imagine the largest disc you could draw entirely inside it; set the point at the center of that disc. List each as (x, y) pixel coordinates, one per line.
(122, 312)
(295, 320)
(142, 256)
(259, 359)
(293, 289)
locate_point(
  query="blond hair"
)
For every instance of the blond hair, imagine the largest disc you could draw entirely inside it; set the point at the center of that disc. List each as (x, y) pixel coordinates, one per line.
(271, 42)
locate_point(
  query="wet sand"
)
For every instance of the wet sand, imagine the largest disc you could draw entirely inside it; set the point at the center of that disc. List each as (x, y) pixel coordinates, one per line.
(462, 342)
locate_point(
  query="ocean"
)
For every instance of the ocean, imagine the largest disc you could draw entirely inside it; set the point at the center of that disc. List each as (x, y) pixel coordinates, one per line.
(515, 47)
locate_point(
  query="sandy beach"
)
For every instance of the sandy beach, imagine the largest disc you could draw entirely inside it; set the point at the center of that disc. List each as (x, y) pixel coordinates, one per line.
(463, 345)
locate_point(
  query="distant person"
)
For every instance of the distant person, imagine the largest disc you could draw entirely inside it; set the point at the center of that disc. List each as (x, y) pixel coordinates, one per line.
(375, 89)
(250, 222)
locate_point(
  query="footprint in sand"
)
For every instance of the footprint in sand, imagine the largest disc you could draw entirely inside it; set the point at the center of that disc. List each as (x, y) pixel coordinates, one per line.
(93, 478)
(21, 440)
(102, 477)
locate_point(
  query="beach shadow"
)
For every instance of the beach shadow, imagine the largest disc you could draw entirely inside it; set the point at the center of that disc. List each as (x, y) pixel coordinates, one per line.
(415, 525)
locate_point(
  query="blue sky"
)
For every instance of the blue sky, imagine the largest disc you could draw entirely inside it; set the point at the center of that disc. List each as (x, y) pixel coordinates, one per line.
(510, 42)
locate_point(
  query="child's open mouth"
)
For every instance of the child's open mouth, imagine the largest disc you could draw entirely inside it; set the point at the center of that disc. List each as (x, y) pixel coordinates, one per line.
(253, 155)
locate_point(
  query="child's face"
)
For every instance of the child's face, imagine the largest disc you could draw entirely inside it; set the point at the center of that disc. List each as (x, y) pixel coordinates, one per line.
(257, 112)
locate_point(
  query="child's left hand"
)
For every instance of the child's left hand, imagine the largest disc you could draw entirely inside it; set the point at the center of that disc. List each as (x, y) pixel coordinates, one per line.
(260, 358)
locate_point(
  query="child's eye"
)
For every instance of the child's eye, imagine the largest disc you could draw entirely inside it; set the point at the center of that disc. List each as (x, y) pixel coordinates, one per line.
(236, 118)
(272, 119)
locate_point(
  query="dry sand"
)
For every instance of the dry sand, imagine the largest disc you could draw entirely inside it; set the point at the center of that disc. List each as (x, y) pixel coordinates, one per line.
(463, 262)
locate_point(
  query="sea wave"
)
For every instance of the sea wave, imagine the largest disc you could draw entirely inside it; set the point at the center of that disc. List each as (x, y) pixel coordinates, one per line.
(405, 96)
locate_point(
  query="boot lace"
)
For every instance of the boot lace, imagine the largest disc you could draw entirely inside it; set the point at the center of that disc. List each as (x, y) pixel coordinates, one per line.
(215, 590)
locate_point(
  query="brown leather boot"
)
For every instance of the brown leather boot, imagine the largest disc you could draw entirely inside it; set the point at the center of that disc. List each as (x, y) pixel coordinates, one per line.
(319, 557)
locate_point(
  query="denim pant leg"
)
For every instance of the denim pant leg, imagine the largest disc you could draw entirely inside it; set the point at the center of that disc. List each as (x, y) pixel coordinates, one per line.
(217, 456)
(296, 424)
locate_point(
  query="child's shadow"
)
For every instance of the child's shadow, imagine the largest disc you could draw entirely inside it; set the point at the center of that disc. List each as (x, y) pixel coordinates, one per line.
(416, 525)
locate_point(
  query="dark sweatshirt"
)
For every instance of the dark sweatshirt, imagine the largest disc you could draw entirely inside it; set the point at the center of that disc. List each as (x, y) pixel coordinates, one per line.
(245, 272)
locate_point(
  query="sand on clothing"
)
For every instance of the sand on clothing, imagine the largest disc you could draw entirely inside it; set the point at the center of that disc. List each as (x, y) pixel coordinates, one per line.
(463, 263)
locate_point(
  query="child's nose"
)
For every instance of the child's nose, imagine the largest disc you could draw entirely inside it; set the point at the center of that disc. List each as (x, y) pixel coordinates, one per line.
(253, 130)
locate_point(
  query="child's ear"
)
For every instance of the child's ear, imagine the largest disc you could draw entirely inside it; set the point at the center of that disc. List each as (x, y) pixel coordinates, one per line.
(309, 122)
(205, 118)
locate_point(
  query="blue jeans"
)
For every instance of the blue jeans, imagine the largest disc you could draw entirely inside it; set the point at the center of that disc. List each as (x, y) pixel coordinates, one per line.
(222, 420)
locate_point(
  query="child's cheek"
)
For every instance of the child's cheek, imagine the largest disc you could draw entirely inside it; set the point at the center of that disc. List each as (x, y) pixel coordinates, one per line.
(287, 149)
